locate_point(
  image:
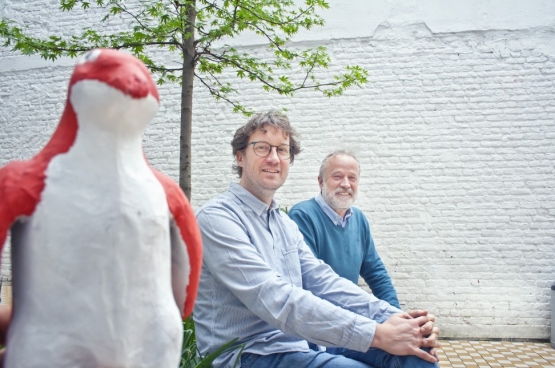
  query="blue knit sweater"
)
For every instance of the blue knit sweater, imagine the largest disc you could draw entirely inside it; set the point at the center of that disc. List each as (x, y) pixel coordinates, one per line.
(349, 251)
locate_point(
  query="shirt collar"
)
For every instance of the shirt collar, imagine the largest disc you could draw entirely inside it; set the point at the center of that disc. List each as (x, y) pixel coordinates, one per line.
(251, 201)
(334, 217)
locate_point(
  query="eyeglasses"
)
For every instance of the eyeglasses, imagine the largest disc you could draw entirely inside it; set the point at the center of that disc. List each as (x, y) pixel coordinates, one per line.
(263, 149)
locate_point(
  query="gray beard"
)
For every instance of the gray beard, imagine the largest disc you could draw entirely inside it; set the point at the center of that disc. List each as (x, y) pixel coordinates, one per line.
(337, 202)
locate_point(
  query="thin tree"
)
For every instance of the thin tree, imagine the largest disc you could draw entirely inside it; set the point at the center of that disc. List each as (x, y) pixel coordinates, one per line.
(198, 30)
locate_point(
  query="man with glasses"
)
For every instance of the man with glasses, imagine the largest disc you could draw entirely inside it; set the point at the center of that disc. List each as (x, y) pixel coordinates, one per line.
(261, 284)
(338, 233)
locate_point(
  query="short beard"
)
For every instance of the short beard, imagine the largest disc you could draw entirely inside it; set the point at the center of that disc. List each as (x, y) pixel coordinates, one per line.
(338, 202)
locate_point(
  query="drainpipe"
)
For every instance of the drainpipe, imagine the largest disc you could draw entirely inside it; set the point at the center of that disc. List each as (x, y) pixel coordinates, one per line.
(553, 316)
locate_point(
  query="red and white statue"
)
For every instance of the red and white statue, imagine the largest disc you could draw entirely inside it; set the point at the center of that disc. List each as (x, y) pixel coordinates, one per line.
(106, 252)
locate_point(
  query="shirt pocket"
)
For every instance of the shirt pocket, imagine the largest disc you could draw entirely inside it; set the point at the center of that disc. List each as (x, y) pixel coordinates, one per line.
(292, 265)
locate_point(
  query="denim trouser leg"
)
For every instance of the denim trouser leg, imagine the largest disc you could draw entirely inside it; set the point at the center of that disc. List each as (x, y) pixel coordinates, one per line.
(333, 358)
(380, 359)
(310, 359)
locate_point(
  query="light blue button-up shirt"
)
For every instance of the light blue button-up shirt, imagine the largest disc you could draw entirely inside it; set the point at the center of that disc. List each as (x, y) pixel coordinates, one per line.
(261, 284)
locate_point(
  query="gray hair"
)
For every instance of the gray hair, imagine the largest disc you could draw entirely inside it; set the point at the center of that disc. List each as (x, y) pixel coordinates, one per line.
(333, 154)
(258, 122)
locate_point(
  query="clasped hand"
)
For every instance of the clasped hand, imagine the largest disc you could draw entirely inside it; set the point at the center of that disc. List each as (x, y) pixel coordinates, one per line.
(407, 333)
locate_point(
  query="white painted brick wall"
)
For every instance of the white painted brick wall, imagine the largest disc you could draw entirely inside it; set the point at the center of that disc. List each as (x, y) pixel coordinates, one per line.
(456, 137)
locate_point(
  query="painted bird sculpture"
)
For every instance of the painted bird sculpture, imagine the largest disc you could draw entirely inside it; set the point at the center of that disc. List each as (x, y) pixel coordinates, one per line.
(106, 252)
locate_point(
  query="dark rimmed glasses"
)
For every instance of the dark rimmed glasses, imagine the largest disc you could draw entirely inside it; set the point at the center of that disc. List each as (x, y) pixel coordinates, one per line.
(263, 149)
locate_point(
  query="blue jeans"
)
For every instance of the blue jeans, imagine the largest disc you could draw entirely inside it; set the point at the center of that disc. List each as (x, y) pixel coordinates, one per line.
(334, 358)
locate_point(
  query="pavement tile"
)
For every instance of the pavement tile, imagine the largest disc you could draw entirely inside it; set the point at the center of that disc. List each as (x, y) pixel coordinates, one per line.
(502, 354)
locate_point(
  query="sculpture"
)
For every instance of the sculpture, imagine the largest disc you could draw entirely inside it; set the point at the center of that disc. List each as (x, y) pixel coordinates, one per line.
(106, 252)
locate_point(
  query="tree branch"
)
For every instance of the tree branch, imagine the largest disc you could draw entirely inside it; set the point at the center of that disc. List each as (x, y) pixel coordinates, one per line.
(214, 92)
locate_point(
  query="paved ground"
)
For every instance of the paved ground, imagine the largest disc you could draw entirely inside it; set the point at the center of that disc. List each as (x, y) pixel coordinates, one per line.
(482, 354)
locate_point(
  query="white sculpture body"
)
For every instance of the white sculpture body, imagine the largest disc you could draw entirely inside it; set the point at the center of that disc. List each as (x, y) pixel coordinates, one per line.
(100, 267)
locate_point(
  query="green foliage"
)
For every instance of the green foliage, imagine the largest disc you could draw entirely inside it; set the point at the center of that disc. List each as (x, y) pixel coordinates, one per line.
(190, 356)
(197, 32)
(167, 24)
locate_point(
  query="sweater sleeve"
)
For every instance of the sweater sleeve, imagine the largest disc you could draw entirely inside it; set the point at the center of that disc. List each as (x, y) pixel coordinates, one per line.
(373, 271)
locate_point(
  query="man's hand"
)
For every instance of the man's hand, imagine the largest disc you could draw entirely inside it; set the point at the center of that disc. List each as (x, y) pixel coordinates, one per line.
(428, 330)
(406, 333)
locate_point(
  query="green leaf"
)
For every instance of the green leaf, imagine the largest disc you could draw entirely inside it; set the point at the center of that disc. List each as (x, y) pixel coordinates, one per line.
(190, 355)
(189, 30)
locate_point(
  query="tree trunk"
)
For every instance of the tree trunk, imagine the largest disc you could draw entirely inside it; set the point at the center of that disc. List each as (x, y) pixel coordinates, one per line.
(187, 102)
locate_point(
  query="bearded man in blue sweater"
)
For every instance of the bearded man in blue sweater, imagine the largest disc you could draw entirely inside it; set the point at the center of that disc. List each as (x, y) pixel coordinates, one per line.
(338, 233)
